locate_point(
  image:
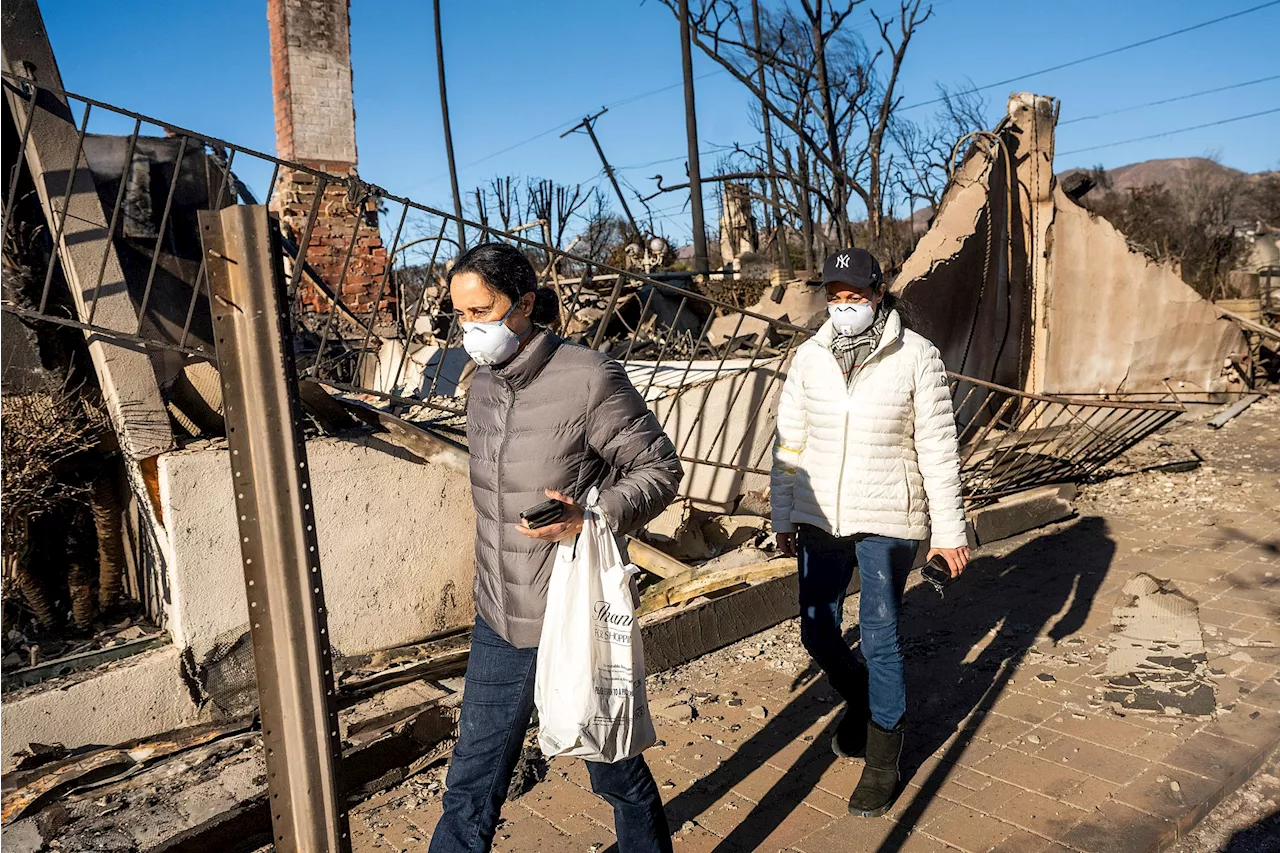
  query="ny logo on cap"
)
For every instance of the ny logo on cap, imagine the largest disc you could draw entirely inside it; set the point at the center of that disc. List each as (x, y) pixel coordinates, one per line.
(842, 262)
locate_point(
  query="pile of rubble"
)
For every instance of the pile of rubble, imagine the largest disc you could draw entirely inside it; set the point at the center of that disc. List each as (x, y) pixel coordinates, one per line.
(1191, 470)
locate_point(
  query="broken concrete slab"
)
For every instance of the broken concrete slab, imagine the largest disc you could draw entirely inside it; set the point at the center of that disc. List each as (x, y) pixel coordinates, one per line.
(58, 164)
(126, 700)
(1157, 661)
(674, 637)
(414, 583)
(678, 532)
(745, 556)
(1024, 511)
(674, 710)
(800, 300)
(726, 533)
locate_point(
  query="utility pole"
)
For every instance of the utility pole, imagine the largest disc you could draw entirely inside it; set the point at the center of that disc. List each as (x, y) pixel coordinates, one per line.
(700, 263)
(588, 125)
(779, 231)
(448, 134)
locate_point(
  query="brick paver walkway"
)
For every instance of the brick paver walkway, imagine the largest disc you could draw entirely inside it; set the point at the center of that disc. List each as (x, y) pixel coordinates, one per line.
(1012, 747)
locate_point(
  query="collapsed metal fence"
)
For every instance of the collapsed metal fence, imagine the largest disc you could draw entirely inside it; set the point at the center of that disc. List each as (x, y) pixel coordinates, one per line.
(1011, 440)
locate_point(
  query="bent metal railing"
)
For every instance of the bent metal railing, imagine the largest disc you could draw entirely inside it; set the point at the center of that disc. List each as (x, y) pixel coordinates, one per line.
(1011, 441)
(710, 369)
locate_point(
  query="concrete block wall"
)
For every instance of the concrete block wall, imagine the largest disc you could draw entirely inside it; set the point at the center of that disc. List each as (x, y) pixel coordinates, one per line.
(396, 545)
(316, 126)
(127, 700)
(396, 552)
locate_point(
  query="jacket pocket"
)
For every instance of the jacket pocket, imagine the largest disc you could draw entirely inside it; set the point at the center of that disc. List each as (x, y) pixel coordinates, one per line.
(906, 485)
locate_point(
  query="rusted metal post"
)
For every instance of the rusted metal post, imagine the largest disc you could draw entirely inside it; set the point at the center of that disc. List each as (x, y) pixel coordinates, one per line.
(278, 544)
(700, 263)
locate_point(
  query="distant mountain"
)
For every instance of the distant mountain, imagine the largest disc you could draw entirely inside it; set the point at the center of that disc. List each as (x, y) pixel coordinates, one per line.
(1172, 172)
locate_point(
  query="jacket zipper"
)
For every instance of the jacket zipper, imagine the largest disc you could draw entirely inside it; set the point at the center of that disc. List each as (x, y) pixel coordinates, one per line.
(844, 444)
(844, 452)
(502, 446)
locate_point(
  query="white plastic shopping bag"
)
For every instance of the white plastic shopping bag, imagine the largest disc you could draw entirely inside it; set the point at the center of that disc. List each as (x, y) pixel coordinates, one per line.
(589, 689)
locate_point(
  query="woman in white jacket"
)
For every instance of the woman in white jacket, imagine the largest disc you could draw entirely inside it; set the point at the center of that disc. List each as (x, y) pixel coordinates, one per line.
(864, 469)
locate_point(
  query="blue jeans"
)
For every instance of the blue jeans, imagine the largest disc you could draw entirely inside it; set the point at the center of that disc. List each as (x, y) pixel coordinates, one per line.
(497, 704)
(826, 568)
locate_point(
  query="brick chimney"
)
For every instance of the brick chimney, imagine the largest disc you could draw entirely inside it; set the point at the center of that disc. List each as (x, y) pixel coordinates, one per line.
(316, 126)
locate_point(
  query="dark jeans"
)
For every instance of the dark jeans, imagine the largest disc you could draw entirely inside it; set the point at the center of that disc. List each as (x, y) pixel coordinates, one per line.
(826, 568)
(497, 704)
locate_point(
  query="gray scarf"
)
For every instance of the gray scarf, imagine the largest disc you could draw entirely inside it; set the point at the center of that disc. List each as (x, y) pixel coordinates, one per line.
(852, 351)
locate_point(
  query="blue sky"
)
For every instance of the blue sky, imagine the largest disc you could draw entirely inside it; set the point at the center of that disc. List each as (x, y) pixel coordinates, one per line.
(517, 69)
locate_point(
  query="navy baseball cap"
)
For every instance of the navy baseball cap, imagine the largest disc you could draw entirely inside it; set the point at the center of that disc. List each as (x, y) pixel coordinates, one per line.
(857, 267)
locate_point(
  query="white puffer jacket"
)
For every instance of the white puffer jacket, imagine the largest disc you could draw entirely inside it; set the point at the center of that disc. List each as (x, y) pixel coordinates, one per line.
(876, 456)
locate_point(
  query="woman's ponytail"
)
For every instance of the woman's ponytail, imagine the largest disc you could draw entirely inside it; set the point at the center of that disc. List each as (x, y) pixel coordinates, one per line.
(546, 308)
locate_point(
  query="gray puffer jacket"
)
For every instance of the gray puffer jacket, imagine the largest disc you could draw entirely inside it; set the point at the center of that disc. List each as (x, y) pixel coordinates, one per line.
(562, 417)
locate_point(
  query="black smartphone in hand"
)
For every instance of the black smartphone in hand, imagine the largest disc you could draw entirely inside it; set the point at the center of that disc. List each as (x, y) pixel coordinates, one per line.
(547, 512)
(938, 573)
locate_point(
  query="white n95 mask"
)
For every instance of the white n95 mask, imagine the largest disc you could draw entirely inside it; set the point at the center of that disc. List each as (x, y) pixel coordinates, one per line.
(852, 319)
(491, 342)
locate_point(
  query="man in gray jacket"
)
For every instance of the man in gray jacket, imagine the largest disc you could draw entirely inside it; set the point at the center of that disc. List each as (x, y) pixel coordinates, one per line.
(544, 419)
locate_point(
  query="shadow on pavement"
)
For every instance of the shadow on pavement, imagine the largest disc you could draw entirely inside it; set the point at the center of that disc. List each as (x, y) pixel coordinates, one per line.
(1262, 837)
(960, 653)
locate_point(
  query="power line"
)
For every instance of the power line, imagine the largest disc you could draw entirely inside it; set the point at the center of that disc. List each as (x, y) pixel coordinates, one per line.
(618, 103)
(1173, 99)
(661, 89)
(1170, 132)
(566, 124)
(1113, 51)
(714, 149)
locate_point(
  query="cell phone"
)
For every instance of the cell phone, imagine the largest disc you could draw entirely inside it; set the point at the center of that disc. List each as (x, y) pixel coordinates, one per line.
(547, 512)
(938, 573)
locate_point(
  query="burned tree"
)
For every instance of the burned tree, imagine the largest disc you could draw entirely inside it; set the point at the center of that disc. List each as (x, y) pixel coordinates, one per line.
(928, 153)
(554, 206)
(46, 433)
(836, 98)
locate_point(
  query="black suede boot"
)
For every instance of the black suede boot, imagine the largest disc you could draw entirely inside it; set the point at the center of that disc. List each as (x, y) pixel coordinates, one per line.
(850, 739)
(878, 787)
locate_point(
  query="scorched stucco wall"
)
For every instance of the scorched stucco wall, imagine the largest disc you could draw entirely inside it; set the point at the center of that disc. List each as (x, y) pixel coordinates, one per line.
(396, 545)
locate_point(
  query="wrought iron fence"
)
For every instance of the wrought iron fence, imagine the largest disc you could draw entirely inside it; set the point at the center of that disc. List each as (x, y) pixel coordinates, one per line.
(1011, 440)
